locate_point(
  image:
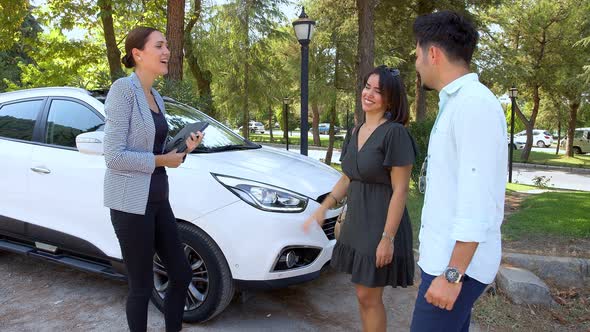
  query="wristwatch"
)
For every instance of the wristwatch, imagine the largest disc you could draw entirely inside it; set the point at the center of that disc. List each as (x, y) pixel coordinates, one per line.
(453, 275)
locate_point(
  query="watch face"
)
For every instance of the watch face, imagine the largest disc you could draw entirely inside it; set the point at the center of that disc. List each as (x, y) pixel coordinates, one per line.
(452, 275)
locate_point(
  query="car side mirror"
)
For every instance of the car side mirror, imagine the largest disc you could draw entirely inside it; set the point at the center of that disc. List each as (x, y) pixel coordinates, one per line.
(91, 143)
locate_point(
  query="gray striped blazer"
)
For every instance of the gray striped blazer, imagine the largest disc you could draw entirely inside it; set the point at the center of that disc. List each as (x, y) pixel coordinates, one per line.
(128, 146)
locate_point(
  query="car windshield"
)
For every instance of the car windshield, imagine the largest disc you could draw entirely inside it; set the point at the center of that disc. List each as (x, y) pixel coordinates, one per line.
(217, 136)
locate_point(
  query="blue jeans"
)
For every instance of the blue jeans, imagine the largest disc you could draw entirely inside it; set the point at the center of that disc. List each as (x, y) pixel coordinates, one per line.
(429, 318)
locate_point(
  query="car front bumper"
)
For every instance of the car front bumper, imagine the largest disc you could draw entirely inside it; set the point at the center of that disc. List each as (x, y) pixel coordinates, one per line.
(252, 241)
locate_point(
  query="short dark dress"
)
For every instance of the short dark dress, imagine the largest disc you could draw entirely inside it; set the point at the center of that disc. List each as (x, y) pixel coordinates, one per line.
(368, 197)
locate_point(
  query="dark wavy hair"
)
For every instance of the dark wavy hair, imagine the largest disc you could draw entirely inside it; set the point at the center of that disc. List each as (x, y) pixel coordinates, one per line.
(394, 93)
(135, 39)
(448, 30)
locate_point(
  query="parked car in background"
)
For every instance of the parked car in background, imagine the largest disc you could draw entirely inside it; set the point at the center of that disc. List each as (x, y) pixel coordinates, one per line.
(239, 206)
(581, 141)
(518, 145)
(541, 138)
(324, 129)
(254, 127)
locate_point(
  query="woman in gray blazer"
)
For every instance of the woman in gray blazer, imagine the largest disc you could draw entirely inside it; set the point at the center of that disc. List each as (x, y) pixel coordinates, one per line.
(136, 184)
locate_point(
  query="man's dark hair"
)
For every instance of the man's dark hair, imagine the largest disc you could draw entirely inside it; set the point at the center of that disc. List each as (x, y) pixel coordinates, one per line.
(448, 30)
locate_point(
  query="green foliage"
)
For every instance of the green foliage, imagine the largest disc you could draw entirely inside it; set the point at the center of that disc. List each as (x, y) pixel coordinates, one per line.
(420, 131)
(11, 22)
(58, 61)
(183, 91)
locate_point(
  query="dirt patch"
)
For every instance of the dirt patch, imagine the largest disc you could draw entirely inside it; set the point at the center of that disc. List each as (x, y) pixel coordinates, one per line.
(545, 245)
(497, 313)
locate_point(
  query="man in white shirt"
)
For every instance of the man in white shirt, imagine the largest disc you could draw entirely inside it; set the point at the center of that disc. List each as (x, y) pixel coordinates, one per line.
(460, 242)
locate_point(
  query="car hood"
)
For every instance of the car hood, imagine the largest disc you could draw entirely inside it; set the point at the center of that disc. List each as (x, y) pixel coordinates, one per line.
(276, 167)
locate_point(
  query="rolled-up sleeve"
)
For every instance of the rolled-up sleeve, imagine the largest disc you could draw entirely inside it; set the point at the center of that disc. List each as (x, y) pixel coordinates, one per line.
(477, 133)
(118, 108)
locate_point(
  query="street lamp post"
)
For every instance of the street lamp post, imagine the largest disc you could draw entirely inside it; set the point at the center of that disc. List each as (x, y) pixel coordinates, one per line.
(304, 30)
(286, 102)
(513, 92)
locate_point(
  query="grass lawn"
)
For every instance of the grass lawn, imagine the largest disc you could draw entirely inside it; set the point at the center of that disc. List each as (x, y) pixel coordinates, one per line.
(265, 138)
(554, 214)
(510, 187)
(548, 158)
(561, 214)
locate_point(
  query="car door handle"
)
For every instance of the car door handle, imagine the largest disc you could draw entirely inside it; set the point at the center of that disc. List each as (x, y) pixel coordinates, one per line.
(40, 170)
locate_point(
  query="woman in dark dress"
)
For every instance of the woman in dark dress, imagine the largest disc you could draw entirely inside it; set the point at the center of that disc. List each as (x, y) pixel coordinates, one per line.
(375, 243)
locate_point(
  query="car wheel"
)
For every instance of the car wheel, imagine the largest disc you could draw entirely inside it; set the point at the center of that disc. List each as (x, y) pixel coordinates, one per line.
(577, 150)
(211, 288)
(541, 144)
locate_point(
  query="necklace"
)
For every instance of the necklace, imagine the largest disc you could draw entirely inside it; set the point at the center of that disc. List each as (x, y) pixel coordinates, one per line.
(370, 129)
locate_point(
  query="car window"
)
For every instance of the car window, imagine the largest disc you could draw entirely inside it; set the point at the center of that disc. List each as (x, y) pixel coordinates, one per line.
(578, 134)
(259, 124)
(216, 135)
(17, 120)
(68, 119)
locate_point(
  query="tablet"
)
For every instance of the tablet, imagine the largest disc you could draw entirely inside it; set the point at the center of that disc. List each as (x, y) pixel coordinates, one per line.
(179, 140)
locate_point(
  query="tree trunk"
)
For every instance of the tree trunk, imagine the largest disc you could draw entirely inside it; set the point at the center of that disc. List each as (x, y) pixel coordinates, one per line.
(571, 127)
(315, 110)
(175, 37)
(203, 77)
(270, 124)
(245, 20)
(365, 50)
(423, 7)
(420, 102)
(558, 135)
(113, 53)
(328, 160)
(331, 130)
(530, 124)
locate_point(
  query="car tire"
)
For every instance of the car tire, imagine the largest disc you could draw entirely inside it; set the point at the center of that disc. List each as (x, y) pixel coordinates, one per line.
(541, 144)
(577, 150)
(214, 284)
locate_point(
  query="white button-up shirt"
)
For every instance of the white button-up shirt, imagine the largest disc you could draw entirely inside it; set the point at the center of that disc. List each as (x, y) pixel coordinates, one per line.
(465, 179)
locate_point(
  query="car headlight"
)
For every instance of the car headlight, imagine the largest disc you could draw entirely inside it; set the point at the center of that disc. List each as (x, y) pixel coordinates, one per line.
(264, 196)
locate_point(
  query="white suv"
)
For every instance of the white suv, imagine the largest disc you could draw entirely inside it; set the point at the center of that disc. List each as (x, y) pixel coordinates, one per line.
(240, 206)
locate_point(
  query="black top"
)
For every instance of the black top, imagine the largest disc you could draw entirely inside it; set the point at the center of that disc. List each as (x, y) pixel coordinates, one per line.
(159, 182)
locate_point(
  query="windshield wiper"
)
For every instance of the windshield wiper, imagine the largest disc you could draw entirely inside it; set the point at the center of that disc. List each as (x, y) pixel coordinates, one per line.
(226, 148)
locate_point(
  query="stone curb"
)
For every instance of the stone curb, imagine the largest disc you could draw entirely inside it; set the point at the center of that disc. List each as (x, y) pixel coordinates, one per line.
(563, 271)
(575, 170)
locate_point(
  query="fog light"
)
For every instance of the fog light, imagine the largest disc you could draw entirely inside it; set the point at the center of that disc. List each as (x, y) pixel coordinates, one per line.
(291, 259)
(295, 257)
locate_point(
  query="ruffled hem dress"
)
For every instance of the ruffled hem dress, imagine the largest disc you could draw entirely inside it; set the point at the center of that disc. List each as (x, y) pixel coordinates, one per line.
(368, 197)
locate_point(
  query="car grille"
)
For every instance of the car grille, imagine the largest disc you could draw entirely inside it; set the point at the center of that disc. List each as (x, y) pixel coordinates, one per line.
(328, 227)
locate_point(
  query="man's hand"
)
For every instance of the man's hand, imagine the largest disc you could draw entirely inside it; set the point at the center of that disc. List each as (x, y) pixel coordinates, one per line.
(442, 293)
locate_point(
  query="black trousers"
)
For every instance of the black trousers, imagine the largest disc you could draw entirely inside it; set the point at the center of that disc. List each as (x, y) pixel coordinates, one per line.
(139, 237)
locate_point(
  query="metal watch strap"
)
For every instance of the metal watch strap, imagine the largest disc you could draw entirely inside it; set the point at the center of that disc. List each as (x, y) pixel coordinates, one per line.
(385, 236)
